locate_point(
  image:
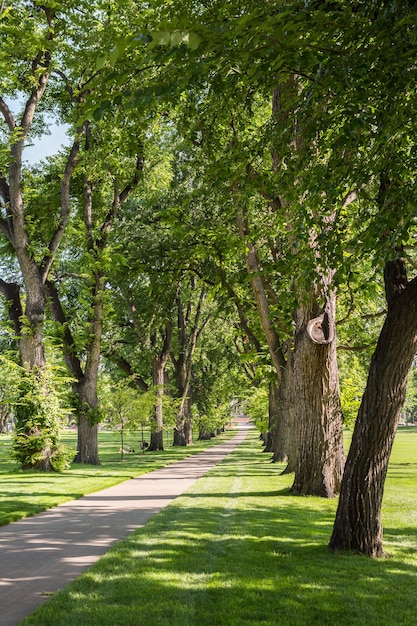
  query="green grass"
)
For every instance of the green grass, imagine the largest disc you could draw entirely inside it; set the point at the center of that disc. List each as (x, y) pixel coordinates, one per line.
(25, 493)
(238, 549)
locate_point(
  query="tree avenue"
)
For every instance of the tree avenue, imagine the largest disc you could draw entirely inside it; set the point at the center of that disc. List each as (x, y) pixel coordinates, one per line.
(235, 174)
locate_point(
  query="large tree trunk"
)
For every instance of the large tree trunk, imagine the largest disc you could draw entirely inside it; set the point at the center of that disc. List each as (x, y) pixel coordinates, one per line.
(319, 424)
(357, 526)
(87, 443)
(86, 389)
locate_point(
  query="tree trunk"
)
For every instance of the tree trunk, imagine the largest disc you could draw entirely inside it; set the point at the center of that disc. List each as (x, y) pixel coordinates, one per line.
(319, 424)
(183, 432)
(283, 444)
(4, 419)
(273, 408)
(87, 446)
(357, 526)
(188, 332)
(157, 442)
(88, 416)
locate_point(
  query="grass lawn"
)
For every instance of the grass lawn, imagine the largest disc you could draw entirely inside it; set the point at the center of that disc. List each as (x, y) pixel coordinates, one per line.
(238, 549)
(25, 493)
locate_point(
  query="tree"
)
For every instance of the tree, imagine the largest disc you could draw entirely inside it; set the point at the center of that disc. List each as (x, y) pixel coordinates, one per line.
(127, 409)
(191, 321)
(31, 48)
(143, 325)
(358, 520)
(377, 169)
(101, 204)
(253, 196)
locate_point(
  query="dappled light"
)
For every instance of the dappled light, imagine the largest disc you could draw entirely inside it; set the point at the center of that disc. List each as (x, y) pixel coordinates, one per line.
(234, 543)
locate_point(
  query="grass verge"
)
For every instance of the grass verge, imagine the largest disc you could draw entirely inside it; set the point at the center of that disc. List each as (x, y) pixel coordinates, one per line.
(239, 549)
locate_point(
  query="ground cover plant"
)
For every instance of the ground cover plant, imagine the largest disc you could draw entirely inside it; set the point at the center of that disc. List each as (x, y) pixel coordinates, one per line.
(239, 549)
(23, 494)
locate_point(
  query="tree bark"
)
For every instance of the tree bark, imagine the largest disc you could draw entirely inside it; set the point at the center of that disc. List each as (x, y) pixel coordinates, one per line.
(183, 431)
(85, 386)
(87, 438)
(88, 418)
(319, 424)
(273, 409)
(358, 526)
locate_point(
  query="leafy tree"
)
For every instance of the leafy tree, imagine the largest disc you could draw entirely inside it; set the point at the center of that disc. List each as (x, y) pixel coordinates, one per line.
(40, 407)
(257, 408)
(143, 323)
(192, 318)
(126, 409)
(101, 204)
(32, 47)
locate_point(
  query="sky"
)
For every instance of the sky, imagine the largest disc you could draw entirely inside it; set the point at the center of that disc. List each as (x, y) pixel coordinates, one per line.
(44, 146)
(47, 145)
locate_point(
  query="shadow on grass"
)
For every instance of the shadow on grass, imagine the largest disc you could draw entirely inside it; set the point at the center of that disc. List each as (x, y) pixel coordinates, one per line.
(239, 549)
(232, 557)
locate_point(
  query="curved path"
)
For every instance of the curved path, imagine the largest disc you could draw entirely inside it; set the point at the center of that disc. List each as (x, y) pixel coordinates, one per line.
(41, 554)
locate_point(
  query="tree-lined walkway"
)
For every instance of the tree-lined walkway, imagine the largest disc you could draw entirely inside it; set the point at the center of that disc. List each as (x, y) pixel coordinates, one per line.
(41, 554)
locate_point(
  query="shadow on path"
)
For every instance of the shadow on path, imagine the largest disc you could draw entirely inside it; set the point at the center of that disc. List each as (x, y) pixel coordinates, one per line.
(41, 554)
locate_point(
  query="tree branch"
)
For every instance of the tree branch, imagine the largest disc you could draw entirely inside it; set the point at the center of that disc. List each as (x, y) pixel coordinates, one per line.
(58, 315)
(11, 291)
(65, 211)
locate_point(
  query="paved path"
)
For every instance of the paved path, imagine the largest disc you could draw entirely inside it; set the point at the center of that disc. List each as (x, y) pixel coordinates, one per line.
(43, 553)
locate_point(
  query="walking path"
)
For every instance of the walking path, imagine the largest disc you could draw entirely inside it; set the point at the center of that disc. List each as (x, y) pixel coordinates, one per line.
(41, 554)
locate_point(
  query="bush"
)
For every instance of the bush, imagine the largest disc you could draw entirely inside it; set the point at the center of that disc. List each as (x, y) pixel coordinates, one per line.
(38, 402)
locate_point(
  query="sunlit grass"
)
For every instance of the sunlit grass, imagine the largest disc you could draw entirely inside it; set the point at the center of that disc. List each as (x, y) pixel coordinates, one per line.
(24, 493)
(238, 549)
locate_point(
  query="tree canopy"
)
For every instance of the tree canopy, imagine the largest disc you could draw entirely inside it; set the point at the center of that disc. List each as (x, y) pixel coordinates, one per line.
(233, 220)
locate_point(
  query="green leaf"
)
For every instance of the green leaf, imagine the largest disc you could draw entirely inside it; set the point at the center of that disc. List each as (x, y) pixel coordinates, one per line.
(194, 41)
(177, 37)
(161, 38)
(101, 61)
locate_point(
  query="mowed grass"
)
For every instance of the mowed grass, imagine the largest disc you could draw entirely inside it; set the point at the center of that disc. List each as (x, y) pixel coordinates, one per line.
(238, 549)
(23, 493)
